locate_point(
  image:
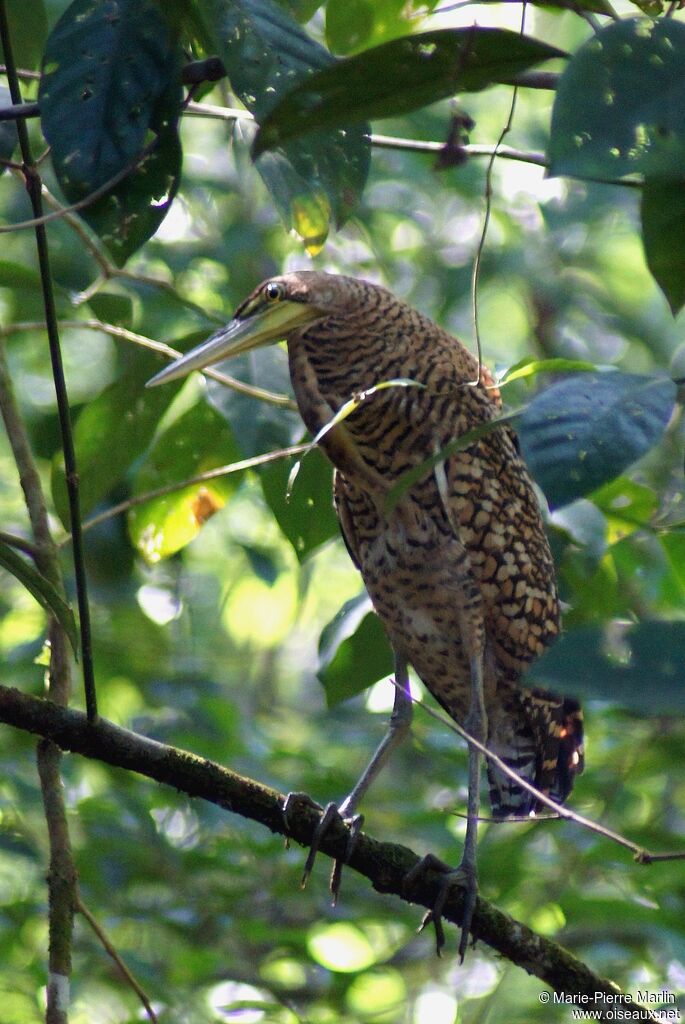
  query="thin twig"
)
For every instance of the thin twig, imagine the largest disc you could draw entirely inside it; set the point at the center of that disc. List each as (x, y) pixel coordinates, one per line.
(112, 952)
(251, 390)
(426, 146)
(199, 478)
(40, 220)
(22, 73)
(477, 263)
(33, 186)
(62, 872)
(642, 856)
(109, 270)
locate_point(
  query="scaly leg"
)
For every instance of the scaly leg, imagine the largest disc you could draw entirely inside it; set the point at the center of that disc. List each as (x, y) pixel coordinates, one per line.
(476, 725)
(398, 727)
(466, 875)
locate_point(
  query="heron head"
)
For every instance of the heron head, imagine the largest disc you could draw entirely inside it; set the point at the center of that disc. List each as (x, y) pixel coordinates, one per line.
(275, 310)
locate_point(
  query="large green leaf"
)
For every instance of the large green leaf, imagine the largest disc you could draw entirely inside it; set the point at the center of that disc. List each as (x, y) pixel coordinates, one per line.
(663, 235)
(266, 53)
(400, 76)
(585, 430)
(303, 506)
(110, 96)
(354, 651)
(41, 589)
(112, 432)
(639, 666)
(197, 441)
(619, 104)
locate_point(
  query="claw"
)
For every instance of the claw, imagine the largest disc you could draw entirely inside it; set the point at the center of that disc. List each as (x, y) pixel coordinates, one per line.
(465, 877)
(331, 813)
(290, 801)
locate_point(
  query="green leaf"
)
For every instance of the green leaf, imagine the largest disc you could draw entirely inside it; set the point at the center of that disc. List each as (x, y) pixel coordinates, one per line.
(663, 235)
(112, 308)
(638, 666)
(28, 26)
(619, 104)
(109, 97)
(627, 505)
(265, 53)
(41, 589)
(305, 515)
(197, 441)
(584, 431)
(354, 651)
(257, 426)
(112, 432)
(398, 77)
(132, 211)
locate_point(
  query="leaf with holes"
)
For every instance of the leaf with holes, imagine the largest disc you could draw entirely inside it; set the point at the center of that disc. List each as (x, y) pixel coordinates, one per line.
(109, 97)
(619, 104)
(265, 54)
(585, 430)
(398, 77)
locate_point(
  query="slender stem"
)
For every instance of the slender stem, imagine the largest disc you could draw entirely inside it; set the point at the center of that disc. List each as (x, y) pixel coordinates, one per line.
(272, 397)
(200, 478)
(33, 186)
(477, 263)
(111, 951)
(62, 873)
(21, 544)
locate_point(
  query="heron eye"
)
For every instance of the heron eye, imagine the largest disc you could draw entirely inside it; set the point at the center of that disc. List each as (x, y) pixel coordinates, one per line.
(273, 291)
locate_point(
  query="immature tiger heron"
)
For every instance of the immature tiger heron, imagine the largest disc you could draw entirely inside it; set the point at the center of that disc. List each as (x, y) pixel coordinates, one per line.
(459, 570)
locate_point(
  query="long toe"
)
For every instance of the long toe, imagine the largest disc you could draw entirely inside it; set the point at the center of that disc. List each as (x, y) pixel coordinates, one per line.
(330, 816)
(466, 878)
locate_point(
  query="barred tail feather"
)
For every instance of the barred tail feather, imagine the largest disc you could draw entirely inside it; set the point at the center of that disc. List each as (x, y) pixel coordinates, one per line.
(543, 742)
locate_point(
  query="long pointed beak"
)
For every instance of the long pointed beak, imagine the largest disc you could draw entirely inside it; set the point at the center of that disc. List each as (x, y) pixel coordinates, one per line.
(268, 325)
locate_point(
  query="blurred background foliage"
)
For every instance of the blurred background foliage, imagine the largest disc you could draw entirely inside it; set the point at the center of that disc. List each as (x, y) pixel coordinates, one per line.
(212, 645)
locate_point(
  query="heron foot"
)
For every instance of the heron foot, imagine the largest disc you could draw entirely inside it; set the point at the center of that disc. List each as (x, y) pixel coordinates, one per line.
(331, 813)
(466, 877)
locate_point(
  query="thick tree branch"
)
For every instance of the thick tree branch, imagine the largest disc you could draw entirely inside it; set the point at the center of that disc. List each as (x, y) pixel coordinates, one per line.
(384, 864)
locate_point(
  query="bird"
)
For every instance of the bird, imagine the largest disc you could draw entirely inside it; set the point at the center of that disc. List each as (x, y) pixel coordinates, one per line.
(457, 566)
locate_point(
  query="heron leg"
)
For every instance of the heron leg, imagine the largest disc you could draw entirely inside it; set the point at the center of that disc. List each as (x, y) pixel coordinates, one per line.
(466, 875)
(398, 727)
(476, 726)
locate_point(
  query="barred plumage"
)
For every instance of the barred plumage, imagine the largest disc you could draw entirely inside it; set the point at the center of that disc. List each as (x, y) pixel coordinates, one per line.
(411, 560)
(459, 569)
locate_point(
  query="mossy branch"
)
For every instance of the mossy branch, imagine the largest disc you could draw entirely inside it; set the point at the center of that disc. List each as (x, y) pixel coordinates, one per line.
(385, 864)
